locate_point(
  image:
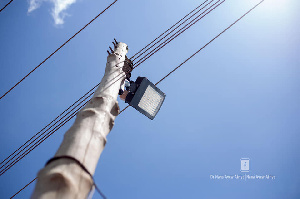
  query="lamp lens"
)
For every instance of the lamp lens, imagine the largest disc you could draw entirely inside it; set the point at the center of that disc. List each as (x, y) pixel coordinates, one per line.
(151, 101)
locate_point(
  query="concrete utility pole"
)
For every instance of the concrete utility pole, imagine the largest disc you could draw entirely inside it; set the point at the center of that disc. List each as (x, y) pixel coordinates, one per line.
(85, 140)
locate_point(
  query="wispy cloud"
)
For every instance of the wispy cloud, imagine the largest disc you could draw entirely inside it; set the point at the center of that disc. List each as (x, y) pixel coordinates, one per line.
(58, 11)
(34, 4)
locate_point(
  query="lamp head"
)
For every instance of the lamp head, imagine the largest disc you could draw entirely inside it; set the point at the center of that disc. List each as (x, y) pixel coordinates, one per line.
(145, 97)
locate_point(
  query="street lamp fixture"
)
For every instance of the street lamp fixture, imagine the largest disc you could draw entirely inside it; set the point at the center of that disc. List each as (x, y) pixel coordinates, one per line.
(144, 96)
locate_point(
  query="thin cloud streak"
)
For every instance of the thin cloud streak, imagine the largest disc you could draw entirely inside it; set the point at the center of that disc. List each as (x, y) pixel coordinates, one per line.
(33, 5)
(58, 11)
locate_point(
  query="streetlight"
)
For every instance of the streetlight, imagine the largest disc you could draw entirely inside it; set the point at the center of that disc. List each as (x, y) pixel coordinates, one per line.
(144, 96)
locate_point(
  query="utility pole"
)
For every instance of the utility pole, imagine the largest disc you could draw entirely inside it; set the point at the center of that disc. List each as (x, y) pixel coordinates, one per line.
(85, 140)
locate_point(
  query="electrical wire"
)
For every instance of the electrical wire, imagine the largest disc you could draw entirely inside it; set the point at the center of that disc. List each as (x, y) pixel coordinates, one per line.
(12, 161)
(178, 27)
(45, 135)
(181, 64)
(179, 32)
(33, 142)
(23, 188)
(57, 50)
(6, 5)
(40, 132)
(132, 58)
(176, 35)
(210, 41)
(9, 163)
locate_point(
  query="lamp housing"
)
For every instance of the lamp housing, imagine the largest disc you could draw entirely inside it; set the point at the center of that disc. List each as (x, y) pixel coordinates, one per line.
(145, 97)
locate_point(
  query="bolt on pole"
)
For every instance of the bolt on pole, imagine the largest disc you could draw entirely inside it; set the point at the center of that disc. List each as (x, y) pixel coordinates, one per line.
(86, 139)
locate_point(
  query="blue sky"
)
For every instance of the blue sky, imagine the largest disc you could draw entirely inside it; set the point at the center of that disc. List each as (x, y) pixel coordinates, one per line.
(238, 98)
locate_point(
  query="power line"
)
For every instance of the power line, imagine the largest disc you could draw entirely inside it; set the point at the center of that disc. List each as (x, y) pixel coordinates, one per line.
(203, 47)
(6, 5)
(62, 123)
(182, 63)
(210, 41)
(178, 27)
(9, 163)
(168, 29)
(176, 34)
(56, 50)
(29, 147)
(12, 162)
(78, 33)
(37, 139)
(23, 188)
(40, 132)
